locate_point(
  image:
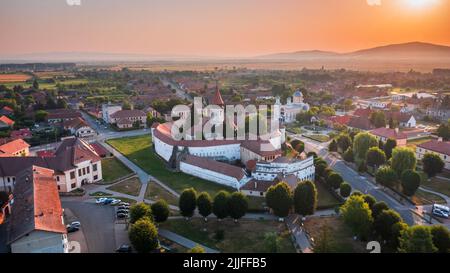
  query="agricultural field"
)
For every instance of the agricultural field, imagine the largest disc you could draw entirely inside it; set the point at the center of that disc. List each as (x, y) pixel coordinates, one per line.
(14, 78)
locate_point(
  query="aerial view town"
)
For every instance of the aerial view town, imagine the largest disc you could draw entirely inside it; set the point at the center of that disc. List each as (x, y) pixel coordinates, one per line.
(252, 127)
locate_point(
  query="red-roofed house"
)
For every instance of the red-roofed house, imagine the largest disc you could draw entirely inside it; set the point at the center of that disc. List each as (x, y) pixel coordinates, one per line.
(442, 148)
(36, 224)
(127, 118)
(6, 110)
(6, 122)
(17, 147)
(21, 133)
(386, 133)
(78, 127)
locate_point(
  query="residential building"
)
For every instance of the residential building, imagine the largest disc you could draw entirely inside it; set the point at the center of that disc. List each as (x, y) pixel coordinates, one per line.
(6, 122)
(108, 110)
(24, 133)
(384, 134)
(62, 115)
(294, 105)
(6, 111)
(127, 118)
(36, 224)
(79, 128)
(17, 147)
(440, 147)
(74, 161)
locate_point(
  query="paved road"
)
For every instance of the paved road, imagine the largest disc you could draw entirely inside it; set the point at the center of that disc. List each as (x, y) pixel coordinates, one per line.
(179, 92)
(98, 225)
(183, 241)
(298, 233)
(359, 182)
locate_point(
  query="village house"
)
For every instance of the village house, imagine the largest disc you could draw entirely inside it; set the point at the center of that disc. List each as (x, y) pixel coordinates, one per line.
(62, 115)
(6, 111)
(79, 128)
(17, 147)
(36, 224)
(108, 110)
(437, 146)
(129, 118)
(385, 133)
(74, 161)
(6, 122)
(24, 133)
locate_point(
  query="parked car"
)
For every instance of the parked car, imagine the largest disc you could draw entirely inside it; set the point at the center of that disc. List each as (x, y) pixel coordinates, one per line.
(123, 207)
(100, 200)
(71, 229)
(115, 201)
(124, 249)
(440, 213)
(124, 204)
(122, 211)
(108, 201)
(75, 224)
(122, 215)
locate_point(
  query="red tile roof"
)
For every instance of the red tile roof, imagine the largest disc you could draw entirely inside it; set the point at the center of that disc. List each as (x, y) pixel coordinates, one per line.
(258, 185)
(21, 133)
(99, 149)
(360, 112)
(7, 120)
(215, 166)
(343, 120)
(358, 122)
(442, 147)
(63, 114)
(217, 100)
(75, 123)
(36, 204)
(388, 133)
(14, 146)
(123, 114)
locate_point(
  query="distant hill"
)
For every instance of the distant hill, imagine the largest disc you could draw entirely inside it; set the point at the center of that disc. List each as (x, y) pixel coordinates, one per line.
(410, 51)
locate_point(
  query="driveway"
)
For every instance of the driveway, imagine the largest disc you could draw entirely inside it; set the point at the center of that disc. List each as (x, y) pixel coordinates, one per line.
(98, 225)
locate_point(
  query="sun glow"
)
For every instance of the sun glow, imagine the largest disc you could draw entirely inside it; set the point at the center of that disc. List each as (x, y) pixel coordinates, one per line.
(420, 4)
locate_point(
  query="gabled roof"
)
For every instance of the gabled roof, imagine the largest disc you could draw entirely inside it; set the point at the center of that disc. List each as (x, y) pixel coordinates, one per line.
(75, 123)
(63, 114)
(442, 147)
(360, 122)
(6, 120)
(217, 99)
(388, 133)
(21, 133)
(36, 204)
(123, 114)
(215, 166)
(14, 146)
(363, 112)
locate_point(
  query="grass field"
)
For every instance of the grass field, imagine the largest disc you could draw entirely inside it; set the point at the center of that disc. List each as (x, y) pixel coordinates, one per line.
(324, 198)
(113, 169)
(339, 237)
(131, 186)
(318, 137)
(138, 149)
(156, 192)
(436, 184)
(425, 198)
(246, 236)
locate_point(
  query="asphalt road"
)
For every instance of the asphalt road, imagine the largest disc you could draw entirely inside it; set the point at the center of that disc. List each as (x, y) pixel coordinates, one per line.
(98, 223)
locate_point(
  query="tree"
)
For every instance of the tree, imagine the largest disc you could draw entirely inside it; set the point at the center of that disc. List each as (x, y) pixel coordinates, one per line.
(389, 146)
(410, 182)
(386, 176)
(188, 202)
(272, 242)
(370, 200)
(204, 204)
(305, 198)
(126, 105)
(379, 207)
(403, 159)
(298, 145)
(357, 215)
(237, 205)
(279, 199)
(378, 119)
(320, 168)
(348, 155)
(384, 222)
(144, 236)
(362, 143)
(197, 249)
(397, 230)
(344, 142)
(35, 84)
(160, 211)
(332, 147)
(441, 238)
(432, 164)
(139, 211)
(375, 157)
(417, 239)
(334, 180)
(40, 115)
(444, 131)
(345, 189)
(220, 204)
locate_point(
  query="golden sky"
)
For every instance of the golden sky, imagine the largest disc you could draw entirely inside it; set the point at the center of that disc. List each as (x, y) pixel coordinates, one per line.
(218, 27)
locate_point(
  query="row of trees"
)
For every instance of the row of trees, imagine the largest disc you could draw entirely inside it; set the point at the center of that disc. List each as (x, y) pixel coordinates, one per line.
(369, 219)
(333, 179)
(282, 200)
(234, 205)
(143, 233)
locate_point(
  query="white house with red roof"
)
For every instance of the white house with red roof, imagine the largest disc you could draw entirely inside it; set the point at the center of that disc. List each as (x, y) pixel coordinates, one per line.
(437, 146)
(16, 147)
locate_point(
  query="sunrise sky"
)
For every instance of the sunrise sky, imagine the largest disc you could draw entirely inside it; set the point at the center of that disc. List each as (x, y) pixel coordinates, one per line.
(218, 27)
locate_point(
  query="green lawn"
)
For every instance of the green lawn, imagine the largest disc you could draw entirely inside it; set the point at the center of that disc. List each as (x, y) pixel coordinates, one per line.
(131, 186)
(113, 169)
(426, 198)
(324, 198)
(437, 184)
(318, 137)
(156, 192)
(138, 149)
(246, 236)
(256, 203)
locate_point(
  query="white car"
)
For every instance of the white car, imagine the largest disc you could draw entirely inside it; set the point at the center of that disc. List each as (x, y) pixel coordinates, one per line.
(440, 213)
(100, 200)
(115, 201)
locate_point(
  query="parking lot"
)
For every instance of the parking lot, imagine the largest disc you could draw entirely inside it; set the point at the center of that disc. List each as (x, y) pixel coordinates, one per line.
(97, 225)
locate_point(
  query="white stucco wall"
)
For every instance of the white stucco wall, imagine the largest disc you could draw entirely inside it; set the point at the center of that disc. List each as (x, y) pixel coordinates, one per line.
(211, 176)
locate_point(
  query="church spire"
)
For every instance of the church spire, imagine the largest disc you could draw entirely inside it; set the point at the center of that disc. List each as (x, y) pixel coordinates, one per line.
(217, 100)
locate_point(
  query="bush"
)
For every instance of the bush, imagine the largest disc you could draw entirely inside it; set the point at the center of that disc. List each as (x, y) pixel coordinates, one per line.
(379, 207)
(160, 211)
(348, 155)
(188, 202)
(345, 189)
(139, 211)
(334, 180)
(144, 236)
